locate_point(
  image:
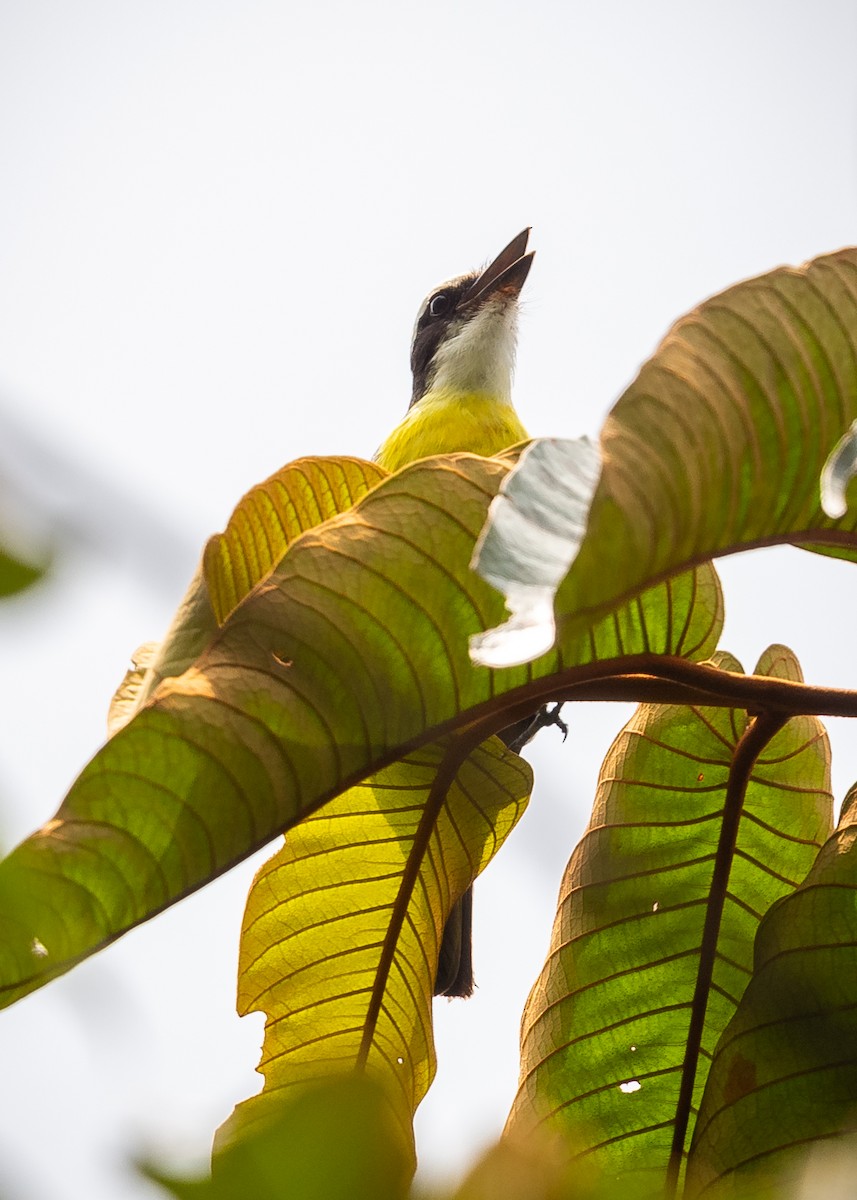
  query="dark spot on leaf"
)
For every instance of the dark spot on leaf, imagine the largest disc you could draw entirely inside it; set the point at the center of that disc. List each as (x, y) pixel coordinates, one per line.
(740, 1080)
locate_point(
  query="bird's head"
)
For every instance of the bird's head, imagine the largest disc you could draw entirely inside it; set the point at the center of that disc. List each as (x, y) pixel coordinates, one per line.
(464, 337)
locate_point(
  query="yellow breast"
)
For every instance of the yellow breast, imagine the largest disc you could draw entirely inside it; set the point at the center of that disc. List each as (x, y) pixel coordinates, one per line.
(446, 422)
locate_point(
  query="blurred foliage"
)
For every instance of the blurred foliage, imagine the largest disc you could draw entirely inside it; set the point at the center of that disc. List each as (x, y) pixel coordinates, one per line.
(15, 575)
(334, 1141)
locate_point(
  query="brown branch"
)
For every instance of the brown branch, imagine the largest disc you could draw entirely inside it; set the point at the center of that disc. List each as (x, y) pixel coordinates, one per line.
(756, 736)
(650, 678)
(761, 693)
(660, 679)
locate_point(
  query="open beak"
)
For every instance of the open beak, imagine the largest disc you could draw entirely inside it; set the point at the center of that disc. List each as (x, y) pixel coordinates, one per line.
(505, 274)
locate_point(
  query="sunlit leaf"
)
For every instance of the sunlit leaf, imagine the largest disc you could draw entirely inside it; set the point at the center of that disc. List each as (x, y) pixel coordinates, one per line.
(342, 927)
(352, 653)
(785, 1070)
(720, 443)
(605, 1027)
(267, 520)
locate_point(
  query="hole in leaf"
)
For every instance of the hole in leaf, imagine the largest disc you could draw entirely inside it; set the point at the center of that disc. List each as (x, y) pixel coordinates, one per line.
(633, 1085)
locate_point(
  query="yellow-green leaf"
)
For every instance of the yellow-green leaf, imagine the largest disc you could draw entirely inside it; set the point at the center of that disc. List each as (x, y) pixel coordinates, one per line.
(349, 655)
(720, 442)
(605, 1030)
(785, 1070)
(342, 927)
(267, 520)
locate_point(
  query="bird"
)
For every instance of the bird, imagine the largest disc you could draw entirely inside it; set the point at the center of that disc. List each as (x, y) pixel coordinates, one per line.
(462, 363)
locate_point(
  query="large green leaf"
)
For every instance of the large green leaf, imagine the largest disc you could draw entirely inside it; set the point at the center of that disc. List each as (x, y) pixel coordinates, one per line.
(719, 443)
(323, 983)
(342, 927)
(348, 656)
(785, 1070)
(605, 1030)
(265, 522)
(334, 929)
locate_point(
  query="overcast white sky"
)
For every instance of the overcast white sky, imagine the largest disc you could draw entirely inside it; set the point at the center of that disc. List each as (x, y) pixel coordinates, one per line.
(216, 222)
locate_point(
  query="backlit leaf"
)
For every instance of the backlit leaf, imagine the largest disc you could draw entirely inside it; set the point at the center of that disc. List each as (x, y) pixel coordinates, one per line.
(352, 653)
(785, 1070)
(720, 442)
(267, 520)
(342, 927)
(719, 445)
(605, 1028)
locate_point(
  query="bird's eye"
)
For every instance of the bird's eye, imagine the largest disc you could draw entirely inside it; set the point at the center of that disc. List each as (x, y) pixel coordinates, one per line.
(439, 304)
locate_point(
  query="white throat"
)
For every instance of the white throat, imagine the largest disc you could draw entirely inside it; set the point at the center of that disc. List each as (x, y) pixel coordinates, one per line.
(480, 355)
